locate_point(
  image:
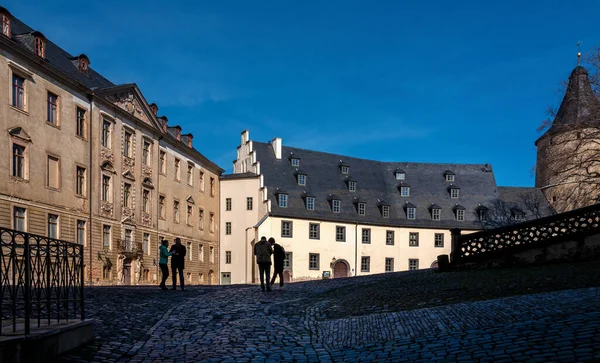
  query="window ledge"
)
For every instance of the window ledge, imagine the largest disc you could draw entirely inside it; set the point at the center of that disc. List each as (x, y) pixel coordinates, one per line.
(81, 196)
(18, 179)
(24, 112)
(56, 126)
(81, 137)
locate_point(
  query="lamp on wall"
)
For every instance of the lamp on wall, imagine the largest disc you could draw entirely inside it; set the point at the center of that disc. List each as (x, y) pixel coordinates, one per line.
(332, 262)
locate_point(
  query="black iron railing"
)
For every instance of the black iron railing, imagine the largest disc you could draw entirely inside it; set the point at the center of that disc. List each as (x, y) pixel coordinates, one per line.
(41, 281)
(508, 239)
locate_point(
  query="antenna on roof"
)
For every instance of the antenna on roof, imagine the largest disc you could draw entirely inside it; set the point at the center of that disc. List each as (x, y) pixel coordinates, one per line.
(579, 52)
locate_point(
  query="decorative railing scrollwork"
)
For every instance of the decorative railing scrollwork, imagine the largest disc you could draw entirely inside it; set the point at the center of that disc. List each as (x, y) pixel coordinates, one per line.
(556, 228)
(41, 281)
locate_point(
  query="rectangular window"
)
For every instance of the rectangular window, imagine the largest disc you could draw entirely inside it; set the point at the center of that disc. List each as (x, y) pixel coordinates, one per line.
(146, 201)
(162, 162)
(340, 233)
(227, 204)
(18, 167)
(228, 257)
(146, 244)
(52, 109)
(460, 215)
(177, 169)
(249, 203)
(106, 134)
(106, 236)
(400, 176)
(80, 122)
(287, 263)
(301, 179)
(310, 203)
(286, 229)
(162, 210)
(352, 186)
(81, 232)
(413, 239)
(201, 219)
(80, 181)
(228, 228)
(283, 201)
(188, 216)
(405, 191)
(53, 172)
(413, 264)
(389, 238)
(211, 222)
(450, 177)
(146, 153)
(201, 176)
(411, 213)
(127, 195)
(313, 261)
(366, 235)
(18, 92)
(345, 169)
(52, 226)
(106, 197)
(128, 240)
(127, 144)
(438, 240)
(314, 231)
(336, 205)
(454, 193)
(201, 252)
(361, 209)
(389, 264)
(365, 264)
(189, 253)
(436, 214)
(385, 211)
(19, 218)
(190, 175)
(211, 254)
(176, 211)
(483, 215)
(212, 187)
(295, 162)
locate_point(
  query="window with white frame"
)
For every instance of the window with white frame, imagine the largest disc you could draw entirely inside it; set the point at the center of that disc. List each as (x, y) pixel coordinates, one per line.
(249, 203)
(438, 240)
(449, 177)
(228, 257)
(413, 239)
(314, 231)
(81, 232)
(228, 228)
(460, 214)
(106, 236)
(227, 204)
(366, 235)
(436, 214)
(352, 186)
(411, 213)
(361, 209)
(389, 238)
(5, 25)
(340, 233)
(454, 192)
(146, 153)
(52, 109)
(385, 211)
(295, 162)
(345, 169)
(389, 264)
(106, 134)
(336, 205)
(313, 261)
(400, 175)
(283, 200)
(405, 191)
(483, 214)
(287, 263)
(365, 264)
(310, 203)
(286, 229)
(413, 264)
(19, 219)
(127, 144)
(301, 179)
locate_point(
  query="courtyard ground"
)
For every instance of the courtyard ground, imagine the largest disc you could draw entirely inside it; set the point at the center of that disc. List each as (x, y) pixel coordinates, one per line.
(543, 314)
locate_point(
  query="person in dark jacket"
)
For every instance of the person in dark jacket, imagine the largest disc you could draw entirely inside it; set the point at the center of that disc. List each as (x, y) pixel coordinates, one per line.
(178, 263)
(162, 263)
(263, 252)
(278, 258)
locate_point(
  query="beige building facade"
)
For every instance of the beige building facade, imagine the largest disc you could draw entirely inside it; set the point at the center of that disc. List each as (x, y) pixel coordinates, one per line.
(91, 162)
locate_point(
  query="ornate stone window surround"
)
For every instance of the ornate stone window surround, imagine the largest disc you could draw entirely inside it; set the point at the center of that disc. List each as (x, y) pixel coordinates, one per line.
(19, 70)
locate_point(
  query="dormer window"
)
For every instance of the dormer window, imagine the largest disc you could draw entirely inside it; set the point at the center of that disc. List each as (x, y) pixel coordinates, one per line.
(335, 203)
(301, 179)
(39, 45)
(361, 209)
(295, 162)
(449, 175)
(518, 214)
(411, 211)
(436, 212)
(404, 190)
(385, 211)
(400, 174)
(454, 192)
(459, 211)
(344, 167)
(83, 63)
(483, 213)
(310, 203)
(352, 185)
(5, 22)
(283, 200)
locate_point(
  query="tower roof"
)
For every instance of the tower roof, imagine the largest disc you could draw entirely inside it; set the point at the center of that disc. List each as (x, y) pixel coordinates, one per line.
(579, 107)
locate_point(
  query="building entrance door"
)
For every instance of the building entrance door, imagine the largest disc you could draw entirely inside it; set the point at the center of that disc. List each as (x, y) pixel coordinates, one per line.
(340, 269)
(127, 273)
(225, 278)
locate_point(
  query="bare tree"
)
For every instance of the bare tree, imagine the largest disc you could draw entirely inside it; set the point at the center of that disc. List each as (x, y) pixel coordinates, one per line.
(526, 206)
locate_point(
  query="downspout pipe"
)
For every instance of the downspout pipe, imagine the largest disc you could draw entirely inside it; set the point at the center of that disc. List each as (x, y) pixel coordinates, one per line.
(89, 183)
(356, 249)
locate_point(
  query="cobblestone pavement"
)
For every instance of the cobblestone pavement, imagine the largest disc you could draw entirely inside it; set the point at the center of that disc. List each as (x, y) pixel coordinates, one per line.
(241, 323)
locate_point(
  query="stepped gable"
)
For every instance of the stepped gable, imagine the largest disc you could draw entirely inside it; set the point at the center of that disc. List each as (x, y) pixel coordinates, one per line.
(376, 185)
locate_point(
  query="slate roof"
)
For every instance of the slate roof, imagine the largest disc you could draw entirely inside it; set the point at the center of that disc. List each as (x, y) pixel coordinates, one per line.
(238, 176)
(376, 182)
(513, 196)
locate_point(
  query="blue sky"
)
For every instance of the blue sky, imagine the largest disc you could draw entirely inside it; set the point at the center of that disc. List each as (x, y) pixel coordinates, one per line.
(421, 81)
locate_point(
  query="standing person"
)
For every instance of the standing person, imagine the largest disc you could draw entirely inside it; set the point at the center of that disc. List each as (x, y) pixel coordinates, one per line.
(278, 258)
(263, 252)
(178, 262)
(164, 259)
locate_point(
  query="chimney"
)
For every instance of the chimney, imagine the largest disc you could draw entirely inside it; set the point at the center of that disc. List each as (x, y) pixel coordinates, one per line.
(276, 144)
(187, 139)
(175, 131)
(154, 108)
